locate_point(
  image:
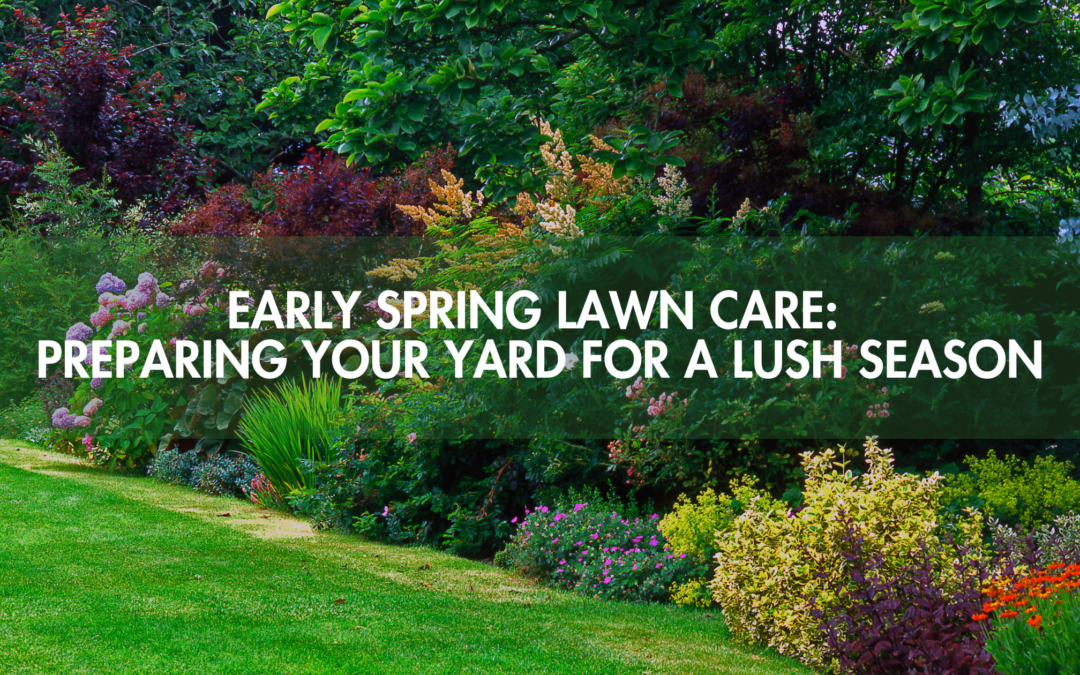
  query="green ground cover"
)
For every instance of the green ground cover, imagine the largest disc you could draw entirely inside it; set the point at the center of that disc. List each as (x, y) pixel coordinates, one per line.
(107, 573)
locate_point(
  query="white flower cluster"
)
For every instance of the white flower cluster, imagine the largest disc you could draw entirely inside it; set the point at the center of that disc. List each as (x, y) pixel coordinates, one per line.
(559, 220)
(673, 203)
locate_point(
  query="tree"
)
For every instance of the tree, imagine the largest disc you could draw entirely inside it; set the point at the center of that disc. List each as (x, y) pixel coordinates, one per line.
(395, 79)
(970, 57)
(70, 83)
(221, 54)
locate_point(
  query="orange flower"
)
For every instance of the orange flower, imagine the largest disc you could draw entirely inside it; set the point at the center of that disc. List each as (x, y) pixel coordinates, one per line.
(990, 606)
(1008, 614)
(1035, 621)
(979, 617)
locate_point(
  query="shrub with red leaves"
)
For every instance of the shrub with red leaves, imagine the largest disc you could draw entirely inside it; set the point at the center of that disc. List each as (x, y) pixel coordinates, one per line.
(906, 622)
(322, 196)
(72, 82)
(754, 144)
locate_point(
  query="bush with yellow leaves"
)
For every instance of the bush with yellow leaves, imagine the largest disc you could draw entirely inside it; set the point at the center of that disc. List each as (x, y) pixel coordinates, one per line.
(1015, 491)
(774, 566)
(693, 526)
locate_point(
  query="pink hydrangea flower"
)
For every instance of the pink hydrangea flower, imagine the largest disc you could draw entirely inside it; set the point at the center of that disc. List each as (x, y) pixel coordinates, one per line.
(100, 318)
(195, 308)
(137, 298)
(147, 283)
(82, 421)
(93, 406)
(412, 438)
(119, 328)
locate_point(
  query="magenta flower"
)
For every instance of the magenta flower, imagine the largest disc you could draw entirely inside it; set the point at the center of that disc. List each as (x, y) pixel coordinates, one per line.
(195, 308)
(594, 535)
(607, 580)
(147, 283)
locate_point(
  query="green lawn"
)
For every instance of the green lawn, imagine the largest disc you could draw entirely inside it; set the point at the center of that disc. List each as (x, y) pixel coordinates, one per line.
(117, 574)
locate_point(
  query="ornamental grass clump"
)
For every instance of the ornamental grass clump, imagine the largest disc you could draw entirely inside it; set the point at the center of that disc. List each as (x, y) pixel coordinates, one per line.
(600, 549)
(281, 429)
(777, 567)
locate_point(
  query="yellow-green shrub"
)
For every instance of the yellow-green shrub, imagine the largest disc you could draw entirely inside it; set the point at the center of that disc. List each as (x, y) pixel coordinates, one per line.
(693, 526)
(1015, 491)
(772, 562)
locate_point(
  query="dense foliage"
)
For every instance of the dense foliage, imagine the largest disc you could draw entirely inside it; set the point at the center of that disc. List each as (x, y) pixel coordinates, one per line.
(72, 83)
(778, 568)
(157, 157)
(600, 549)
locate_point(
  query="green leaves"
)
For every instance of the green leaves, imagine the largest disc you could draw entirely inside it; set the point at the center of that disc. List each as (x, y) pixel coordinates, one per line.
(950, 27)
(413, 74)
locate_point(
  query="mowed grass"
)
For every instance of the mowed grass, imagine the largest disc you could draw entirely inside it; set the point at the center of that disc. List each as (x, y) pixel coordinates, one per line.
(110, 574)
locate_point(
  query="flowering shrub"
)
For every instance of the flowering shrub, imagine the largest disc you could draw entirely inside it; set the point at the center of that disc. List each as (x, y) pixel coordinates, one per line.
(600, 549)
(1014, 490)
(776, 566)
(127, 417)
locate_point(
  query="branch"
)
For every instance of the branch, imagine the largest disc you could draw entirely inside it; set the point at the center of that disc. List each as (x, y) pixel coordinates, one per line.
(564, 39)
(164, 44)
